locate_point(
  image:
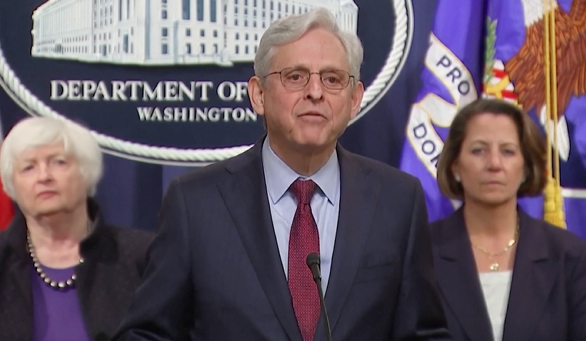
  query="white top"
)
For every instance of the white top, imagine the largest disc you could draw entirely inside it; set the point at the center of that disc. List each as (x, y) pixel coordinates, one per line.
(496, 287)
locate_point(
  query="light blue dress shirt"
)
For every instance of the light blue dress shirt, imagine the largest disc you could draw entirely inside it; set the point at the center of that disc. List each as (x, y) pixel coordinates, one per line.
(325, 205)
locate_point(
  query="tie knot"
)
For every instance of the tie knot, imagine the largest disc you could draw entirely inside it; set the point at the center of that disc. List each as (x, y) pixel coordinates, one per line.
(303, 190)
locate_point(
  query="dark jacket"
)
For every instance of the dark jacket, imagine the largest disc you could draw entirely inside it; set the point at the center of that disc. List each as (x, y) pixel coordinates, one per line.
(215, 267)
(547, 301)
(114, 260)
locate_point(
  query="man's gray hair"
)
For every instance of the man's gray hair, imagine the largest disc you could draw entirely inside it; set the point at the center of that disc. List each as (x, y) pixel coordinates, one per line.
(291, 28)
(34, 132)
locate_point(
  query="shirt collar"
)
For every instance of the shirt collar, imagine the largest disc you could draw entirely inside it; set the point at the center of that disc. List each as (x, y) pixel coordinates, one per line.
(279, 176)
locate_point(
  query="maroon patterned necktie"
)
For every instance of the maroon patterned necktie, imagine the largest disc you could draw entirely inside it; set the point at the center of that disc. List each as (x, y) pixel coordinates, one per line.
(303, 240)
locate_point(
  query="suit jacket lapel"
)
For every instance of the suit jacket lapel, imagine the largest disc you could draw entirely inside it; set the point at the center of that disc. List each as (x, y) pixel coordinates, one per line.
(533, 278)
(358, 199)
(246, 198)
(458, 278)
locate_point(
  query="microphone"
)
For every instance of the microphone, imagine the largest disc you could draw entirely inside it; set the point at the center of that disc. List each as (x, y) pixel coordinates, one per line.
(313, 262)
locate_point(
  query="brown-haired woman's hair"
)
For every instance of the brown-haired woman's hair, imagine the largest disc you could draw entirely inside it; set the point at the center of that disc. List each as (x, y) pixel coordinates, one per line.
(531, 141)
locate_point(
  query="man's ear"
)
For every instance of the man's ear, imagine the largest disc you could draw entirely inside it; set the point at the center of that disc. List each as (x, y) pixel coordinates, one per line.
(357, 94)
(256, 95)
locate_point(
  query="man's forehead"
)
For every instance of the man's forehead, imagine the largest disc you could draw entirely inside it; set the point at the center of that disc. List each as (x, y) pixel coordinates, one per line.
(287, 56)
(322, 67)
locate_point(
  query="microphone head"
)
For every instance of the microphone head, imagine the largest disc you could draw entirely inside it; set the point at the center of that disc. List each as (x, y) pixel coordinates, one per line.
(313, 259)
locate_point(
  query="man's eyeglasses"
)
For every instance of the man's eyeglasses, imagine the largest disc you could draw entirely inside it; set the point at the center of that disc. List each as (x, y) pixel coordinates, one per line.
(297, 79)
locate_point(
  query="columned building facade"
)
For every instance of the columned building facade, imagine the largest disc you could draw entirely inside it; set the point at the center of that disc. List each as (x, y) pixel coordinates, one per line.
(166, 32)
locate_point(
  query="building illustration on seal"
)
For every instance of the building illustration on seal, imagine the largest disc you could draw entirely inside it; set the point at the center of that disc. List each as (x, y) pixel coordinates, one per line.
(166, 32)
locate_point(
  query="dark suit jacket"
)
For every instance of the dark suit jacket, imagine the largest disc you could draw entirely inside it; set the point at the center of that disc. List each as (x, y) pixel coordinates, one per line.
(547, 300)
(114, 260)
(215, 268)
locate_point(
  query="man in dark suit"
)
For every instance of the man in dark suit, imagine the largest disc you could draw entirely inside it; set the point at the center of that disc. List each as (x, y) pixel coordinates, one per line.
(229, 262)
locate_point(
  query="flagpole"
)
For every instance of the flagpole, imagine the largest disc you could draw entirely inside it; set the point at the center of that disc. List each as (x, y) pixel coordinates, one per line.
(553, 201)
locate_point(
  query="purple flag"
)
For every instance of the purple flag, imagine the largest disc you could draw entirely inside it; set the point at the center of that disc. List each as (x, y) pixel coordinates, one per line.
(492, 48)
(451, 79)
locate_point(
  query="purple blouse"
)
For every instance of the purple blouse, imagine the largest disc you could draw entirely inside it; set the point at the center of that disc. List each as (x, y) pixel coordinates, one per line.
(57, 314)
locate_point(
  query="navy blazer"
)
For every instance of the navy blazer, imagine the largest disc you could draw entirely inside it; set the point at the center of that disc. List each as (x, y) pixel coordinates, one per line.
(547, 301)
(215, 269)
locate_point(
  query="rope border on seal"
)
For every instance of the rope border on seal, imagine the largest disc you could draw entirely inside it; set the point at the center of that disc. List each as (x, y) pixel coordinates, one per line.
(197, 157)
